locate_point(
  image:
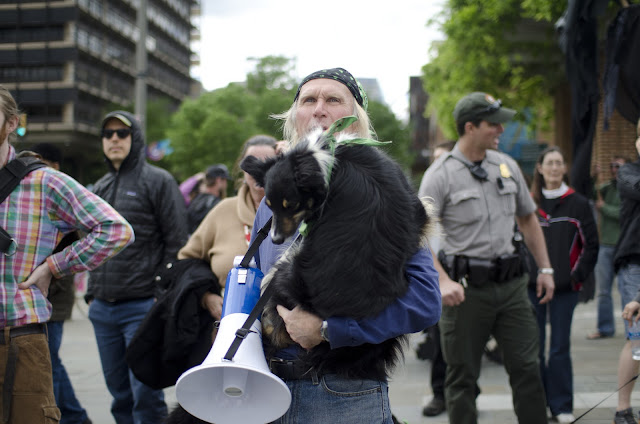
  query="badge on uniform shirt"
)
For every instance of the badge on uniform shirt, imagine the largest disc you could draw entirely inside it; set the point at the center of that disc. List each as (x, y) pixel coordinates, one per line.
(504, 171)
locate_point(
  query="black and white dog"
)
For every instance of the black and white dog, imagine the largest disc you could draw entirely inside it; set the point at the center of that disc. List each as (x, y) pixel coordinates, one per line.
(364, 221)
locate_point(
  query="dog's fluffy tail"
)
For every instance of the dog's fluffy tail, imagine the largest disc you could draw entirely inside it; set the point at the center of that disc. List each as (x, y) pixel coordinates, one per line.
(431, 228)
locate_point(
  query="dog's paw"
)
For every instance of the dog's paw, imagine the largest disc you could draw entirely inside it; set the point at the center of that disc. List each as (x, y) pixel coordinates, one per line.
(280, 338)
(273, 327)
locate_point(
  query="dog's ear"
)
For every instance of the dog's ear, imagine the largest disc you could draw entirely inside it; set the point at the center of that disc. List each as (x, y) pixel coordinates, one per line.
(307, 172)
(257, 168)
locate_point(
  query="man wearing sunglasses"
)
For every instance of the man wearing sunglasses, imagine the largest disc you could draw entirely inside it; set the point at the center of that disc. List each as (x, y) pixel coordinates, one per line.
(478, 193)
(122, 292)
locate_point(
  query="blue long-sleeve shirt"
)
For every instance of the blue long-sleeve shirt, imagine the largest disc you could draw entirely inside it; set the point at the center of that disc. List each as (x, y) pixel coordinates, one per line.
(419, 308)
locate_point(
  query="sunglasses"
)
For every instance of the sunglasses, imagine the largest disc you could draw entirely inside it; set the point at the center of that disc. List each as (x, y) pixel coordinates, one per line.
(121, 132)
(492, 107)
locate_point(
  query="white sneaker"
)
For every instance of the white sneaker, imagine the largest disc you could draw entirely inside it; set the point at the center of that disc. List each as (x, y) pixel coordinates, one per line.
(565, 417)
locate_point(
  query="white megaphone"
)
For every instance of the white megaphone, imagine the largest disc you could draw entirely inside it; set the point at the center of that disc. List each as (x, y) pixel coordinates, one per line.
(241, 390)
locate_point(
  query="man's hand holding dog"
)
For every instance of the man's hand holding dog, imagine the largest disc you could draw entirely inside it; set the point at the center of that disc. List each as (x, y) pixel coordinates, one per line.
(303, 327)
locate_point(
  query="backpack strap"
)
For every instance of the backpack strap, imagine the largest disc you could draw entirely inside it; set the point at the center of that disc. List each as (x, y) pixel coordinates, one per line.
(10, 177)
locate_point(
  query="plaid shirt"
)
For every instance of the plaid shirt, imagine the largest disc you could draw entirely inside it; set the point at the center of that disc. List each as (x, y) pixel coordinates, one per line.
(44, 207)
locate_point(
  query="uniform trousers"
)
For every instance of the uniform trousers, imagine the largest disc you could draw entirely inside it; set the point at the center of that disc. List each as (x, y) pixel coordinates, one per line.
(504, 310)
(32, 399)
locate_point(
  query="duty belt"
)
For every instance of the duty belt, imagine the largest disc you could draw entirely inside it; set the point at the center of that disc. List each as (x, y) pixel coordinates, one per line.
(477, 272)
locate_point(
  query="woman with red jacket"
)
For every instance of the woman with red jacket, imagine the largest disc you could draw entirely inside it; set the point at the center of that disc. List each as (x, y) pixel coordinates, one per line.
(571, 235)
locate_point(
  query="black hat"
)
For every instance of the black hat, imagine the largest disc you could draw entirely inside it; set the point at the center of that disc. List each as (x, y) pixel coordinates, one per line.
(217, 170)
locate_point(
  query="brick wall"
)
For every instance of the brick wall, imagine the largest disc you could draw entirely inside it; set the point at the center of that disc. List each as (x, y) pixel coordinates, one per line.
(619, 139)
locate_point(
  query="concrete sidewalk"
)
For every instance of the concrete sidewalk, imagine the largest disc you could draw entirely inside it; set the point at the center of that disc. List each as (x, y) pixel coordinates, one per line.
(595, 367)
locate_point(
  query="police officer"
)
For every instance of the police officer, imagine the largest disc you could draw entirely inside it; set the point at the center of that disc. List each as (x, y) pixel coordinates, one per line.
(478, 193)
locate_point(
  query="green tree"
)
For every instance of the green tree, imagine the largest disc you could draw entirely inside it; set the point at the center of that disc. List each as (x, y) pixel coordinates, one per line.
(159, 113)
(504, 47)
(271, 73)
(209, 129)
(213, 127)
(390, 128)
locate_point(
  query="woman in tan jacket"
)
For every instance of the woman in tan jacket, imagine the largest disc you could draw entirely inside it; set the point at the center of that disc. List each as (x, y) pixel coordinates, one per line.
(224, 233)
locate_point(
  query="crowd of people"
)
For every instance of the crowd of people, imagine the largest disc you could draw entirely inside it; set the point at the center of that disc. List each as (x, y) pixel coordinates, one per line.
(471, 283)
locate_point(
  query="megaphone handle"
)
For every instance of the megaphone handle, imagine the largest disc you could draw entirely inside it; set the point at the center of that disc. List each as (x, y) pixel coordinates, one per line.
(242, 332)
(255, 244)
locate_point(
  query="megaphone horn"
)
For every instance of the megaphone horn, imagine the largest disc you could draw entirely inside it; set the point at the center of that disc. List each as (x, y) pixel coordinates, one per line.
(241, 390)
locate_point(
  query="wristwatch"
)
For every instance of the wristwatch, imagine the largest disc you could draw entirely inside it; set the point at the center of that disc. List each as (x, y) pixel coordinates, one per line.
(324, 331)
(548, 271)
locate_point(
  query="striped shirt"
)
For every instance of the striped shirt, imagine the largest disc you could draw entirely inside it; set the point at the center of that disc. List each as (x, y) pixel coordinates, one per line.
(45, 206)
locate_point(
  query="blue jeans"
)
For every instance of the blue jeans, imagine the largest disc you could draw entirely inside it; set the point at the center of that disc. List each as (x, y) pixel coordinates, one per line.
(605, 274)
(72, 412)
(114, 326)
(332, 399)
(557, 372)
(628, 284)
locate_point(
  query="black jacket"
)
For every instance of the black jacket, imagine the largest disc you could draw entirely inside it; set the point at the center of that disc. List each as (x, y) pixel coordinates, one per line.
(176, 334)
(571, 236)
(147, 197)
(199, 208)
(628, 247)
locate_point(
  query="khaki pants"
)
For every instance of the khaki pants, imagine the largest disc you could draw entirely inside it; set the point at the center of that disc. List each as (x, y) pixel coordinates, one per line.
(32, 400)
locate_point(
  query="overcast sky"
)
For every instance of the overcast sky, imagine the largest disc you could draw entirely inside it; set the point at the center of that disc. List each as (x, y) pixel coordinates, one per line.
(388, 41)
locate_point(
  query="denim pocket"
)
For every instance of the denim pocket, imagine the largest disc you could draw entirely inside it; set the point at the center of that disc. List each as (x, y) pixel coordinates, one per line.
(353, 401)
(338, 386)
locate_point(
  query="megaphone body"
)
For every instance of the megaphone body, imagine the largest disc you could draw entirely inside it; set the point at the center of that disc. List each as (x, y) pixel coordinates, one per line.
(241, 390)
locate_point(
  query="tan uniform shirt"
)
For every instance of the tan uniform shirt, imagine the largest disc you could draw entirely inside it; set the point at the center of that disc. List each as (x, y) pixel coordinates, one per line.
(477, 217)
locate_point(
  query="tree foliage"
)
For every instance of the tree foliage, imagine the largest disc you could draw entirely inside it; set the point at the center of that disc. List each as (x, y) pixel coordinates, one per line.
(504, 47)
(212, 128)
(389, 128)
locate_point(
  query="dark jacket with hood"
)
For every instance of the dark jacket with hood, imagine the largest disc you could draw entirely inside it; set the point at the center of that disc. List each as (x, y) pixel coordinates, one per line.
(571, 236)
(628, 247)
(147, 197)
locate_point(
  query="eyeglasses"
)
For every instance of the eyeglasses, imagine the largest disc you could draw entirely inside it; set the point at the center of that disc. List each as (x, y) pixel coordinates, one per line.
(492, 107)
(478, 172)
(121, 132)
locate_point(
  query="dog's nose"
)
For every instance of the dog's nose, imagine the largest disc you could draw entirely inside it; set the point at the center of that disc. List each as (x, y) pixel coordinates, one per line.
(276, 238)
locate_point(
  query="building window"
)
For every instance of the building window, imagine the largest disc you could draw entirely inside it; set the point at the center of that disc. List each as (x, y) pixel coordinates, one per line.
(43, 113)
(28, 35)
(31, 73)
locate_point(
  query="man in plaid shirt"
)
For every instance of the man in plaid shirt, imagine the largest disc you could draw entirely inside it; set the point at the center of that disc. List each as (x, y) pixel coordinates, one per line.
(44, 207)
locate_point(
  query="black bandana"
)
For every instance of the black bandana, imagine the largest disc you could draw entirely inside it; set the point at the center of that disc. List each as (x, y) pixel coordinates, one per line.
(340, 75)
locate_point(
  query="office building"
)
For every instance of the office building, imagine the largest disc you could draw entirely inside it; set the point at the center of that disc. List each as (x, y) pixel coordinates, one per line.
(68, 62)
